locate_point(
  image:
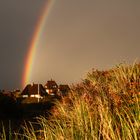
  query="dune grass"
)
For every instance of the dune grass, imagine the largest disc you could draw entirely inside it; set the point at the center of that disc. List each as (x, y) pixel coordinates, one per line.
(104, 106)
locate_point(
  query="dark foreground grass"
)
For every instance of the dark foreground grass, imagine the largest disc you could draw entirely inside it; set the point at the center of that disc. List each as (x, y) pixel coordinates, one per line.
(104, 106)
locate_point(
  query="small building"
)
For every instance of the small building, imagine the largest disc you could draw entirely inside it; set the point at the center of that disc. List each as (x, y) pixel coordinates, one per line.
(34, 91)
(51, 87)
(64, 89)
(16, 93)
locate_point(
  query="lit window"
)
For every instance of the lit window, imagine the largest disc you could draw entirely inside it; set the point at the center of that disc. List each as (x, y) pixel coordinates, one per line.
(32, 95)
(24, 96)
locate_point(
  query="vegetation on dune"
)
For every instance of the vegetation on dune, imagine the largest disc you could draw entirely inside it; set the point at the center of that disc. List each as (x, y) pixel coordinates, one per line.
(105, 105)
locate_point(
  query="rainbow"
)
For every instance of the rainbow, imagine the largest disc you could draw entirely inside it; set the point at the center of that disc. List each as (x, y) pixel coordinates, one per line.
(35, 43)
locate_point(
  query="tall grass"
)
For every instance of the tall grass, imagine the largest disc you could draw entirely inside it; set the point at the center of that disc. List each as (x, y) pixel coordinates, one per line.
(104, 106)
(3, 134)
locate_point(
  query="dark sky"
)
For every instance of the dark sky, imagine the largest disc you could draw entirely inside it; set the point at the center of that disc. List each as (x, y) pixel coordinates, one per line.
(17, 22)
(78, 35)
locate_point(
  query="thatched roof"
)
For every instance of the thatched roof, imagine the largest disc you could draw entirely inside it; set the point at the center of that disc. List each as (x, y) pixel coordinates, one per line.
(51, 85)
(34, 89)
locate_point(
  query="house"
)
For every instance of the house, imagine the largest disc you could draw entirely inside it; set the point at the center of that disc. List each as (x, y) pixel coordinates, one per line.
(64, 89)
(16, 93)
(51, 87)
(34, 91)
